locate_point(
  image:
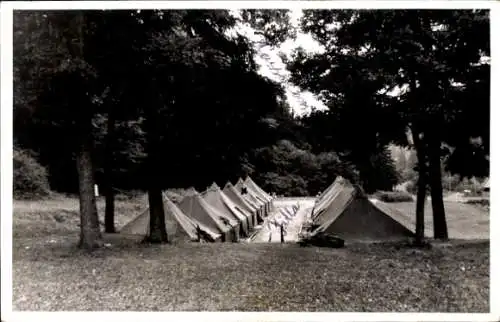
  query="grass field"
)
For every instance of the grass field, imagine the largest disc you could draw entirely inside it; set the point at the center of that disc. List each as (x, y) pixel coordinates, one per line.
(61, 215)
(49, 273)
(464, 221)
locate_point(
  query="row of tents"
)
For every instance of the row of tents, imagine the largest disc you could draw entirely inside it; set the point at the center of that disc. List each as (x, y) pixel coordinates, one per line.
(345, 211)
(224, 215)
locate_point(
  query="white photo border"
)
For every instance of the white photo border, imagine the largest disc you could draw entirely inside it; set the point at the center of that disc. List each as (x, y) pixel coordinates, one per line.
(6, 163)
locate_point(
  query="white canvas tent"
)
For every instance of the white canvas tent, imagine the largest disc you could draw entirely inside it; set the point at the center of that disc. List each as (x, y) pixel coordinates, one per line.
(249, 209)
(250, 183)
(178, 226)
(322, 194)
(259, 193)
(217, 199)
(250, 197)
(350, 215)
(330, 193)
(198, 209)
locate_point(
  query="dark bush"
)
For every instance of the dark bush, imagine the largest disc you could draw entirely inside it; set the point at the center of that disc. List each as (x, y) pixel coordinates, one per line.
(30, 178)
(411, 186)
(481, 202)
(323, 240)
(286, 185)
(393, 196)
(123, 195)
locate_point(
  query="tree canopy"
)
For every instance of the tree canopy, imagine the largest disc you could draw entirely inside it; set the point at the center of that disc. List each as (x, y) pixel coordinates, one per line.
(154, 99)
(438, 62)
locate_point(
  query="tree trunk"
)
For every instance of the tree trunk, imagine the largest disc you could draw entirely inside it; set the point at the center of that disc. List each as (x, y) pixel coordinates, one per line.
(157, 229)
(109, 216)
(438, 212)
(421, 188)
(90, 233)
(420, 209)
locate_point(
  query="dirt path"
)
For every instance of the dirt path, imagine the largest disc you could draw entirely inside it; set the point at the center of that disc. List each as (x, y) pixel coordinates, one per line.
(270, 232)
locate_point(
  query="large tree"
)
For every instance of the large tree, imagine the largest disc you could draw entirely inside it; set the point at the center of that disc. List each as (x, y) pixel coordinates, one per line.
(434, 56)
(159, 81)
(194, 84)
(58, 88)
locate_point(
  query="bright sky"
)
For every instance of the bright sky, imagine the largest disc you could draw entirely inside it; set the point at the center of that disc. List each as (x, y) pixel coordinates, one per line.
(272, 66)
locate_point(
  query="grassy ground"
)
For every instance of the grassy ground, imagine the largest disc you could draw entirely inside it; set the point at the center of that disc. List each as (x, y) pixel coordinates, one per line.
(464, 221)
(61, 215)
(49, 273)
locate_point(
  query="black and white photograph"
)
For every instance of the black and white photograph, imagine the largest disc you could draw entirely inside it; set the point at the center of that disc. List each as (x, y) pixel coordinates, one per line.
(247, 158)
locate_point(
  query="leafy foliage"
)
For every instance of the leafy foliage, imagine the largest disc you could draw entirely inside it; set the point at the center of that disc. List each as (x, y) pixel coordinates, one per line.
(434, 61)
(30, 178)
(273, 25)
(289, 170)
(375, 167)
(191, 84)
(200, 83)
(371, 52)
(394, 196)
(198, 80)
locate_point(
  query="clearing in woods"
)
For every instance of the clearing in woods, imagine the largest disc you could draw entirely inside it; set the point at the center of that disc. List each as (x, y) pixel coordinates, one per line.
(49, 273)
